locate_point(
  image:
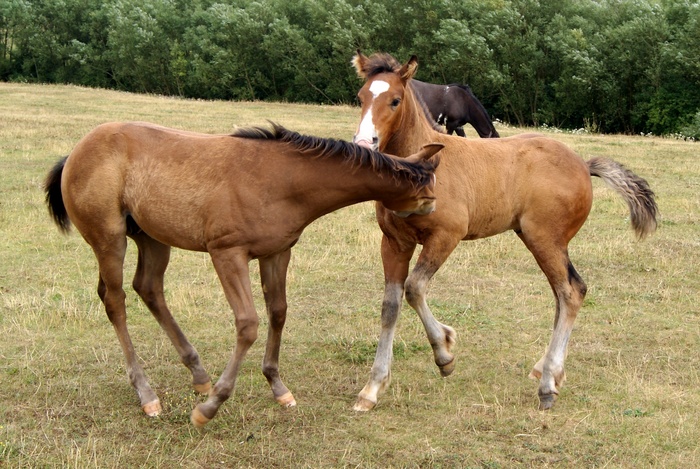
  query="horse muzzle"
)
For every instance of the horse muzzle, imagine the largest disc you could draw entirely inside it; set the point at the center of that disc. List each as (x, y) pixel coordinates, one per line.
(363, 142)
(426, 208)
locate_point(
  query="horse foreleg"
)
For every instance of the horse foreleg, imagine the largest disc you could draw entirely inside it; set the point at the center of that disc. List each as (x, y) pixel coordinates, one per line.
(569, 291)
(460, 131)
(148, 282)
(396, 263)
(111, 292)
(435, 252)
(273, 276)
(232, 268)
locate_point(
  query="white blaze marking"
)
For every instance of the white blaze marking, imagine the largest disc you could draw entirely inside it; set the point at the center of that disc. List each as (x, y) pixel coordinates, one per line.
(366, 130)
(378, 87)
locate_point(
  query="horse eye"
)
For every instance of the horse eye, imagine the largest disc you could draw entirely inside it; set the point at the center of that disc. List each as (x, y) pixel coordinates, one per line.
(395, 103)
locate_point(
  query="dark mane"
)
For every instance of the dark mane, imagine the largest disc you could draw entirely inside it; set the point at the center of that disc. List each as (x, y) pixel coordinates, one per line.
(380, 63)
(466, 88)
(354, 155)
(471, 94)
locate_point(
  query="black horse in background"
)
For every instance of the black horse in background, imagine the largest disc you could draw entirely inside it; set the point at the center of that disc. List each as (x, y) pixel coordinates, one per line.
(455, 105)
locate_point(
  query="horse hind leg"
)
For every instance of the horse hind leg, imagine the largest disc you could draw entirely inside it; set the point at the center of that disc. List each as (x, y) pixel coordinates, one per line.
(110, 258)
(569, 291)
(153, 258)
(273, 275)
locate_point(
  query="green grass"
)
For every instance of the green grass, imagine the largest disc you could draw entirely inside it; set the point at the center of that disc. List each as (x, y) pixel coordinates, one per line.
(632, 398)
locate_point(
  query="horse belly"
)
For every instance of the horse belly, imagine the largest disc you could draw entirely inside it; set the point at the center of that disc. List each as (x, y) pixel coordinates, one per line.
(180, 230)
(171, 215)
(491, 223)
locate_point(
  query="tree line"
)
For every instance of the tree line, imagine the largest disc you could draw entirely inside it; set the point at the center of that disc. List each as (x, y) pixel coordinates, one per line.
(615, 66)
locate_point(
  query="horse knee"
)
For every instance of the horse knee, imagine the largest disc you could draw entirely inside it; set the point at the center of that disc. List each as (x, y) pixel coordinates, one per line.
(417, 283)
(115, 306)
(414, 291)
(146, 292)
(390, 312)
(247, 330)
(277, 314)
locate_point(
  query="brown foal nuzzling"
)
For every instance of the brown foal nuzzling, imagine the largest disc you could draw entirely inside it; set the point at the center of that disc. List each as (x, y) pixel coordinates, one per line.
(239, 197)
(534, 186)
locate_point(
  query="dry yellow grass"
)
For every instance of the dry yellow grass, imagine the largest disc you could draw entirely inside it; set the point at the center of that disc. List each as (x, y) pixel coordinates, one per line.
(632, 398)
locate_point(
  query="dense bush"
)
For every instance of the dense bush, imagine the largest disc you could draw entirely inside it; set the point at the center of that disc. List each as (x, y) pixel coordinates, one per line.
(613, 65)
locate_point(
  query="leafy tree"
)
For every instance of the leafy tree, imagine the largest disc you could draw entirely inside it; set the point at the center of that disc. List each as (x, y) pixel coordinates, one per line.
(14, 20)
(612, 65)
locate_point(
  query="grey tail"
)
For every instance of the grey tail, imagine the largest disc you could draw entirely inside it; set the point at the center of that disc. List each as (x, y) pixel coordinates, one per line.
(633, 189)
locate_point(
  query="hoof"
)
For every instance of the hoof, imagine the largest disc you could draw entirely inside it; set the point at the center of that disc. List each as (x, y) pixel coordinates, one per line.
(153, 408)
(198, 419)
(203, 388)
(286, 400)
(447, 369)
(363, 405)
(547, 401)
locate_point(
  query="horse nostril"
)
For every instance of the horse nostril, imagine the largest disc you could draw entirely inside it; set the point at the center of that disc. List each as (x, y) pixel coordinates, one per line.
(375, 140)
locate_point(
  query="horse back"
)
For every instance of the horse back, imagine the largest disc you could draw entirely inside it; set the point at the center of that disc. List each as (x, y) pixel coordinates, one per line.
(170, 182)
(527, 178)
(488, 186)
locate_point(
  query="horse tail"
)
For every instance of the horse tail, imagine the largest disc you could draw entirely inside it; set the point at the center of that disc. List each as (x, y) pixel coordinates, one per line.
(633, 189)
(54, 198)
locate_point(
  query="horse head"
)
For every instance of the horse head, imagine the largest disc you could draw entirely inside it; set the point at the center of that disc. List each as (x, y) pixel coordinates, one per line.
(422, 201)
(381, 97)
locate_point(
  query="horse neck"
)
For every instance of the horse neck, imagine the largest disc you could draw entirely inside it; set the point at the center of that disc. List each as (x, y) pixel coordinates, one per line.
(336, 185)
(413, 130)
(478, 116)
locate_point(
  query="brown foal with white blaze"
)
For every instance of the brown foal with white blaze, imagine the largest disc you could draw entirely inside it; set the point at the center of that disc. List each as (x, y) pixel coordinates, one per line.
(532, 185)
(239, 197)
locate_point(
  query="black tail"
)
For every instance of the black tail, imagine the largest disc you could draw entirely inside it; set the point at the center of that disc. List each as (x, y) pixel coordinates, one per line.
(54, 199)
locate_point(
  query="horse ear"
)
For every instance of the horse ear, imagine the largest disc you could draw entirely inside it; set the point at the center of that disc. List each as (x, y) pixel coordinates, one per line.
(359, 61)
(426, 152)
(429, 149)
(409, 69)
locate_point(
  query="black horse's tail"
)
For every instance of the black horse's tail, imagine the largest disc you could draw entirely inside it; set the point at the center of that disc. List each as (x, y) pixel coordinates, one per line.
(54, 199)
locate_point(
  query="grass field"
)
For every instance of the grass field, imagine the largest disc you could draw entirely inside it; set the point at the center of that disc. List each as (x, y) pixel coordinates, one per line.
(632, 398)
